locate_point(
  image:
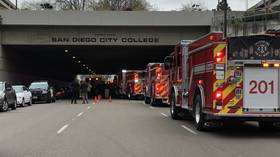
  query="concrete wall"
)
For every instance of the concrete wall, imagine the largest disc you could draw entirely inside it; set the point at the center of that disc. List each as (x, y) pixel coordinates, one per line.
(106, 18)
(81, 35)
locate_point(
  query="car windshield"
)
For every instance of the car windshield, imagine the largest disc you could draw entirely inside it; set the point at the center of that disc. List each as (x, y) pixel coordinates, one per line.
(38, 86)
(1, 86)
(18, 89)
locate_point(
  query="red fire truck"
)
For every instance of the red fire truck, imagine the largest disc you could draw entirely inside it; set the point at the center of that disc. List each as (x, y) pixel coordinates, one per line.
(218, 79)
(156, 84)
(131, 83)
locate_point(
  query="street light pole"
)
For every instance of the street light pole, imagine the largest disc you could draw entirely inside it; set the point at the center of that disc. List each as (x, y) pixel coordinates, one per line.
(16, 4)
(225, 7)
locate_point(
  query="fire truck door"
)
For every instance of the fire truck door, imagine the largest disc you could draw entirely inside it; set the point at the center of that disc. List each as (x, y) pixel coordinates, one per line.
(185, 78)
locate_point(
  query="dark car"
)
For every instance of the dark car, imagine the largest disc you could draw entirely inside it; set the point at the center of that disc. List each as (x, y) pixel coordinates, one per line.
(42, 92)
(7, 97)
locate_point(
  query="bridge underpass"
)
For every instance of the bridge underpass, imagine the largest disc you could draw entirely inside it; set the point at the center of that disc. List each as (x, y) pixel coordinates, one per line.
(57, 62)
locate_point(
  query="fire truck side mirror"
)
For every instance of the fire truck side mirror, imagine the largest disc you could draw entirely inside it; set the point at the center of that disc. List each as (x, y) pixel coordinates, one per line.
(167, 62)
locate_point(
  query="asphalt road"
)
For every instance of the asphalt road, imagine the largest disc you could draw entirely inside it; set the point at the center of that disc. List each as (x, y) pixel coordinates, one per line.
(123, 129)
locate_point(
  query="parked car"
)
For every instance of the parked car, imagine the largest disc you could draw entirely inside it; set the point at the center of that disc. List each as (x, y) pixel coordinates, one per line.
(42, 91)
(7, 97)
(23, 94)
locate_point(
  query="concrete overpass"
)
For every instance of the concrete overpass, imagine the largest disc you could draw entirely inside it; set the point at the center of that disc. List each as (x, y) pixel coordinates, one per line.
(34, 43)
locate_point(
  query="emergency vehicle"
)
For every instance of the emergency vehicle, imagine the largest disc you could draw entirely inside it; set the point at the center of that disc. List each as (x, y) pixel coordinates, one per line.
(131, 84)
(220, 79)
(156, 84)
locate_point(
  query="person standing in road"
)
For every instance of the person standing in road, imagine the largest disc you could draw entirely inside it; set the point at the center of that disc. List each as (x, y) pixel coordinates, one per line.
(89, 88)
(84, 91)
(74, 91)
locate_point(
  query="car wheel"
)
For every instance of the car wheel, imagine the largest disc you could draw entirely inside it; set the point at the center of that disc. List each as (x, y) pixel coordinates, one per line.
(199, 117)
(5, 106)
(174, 110)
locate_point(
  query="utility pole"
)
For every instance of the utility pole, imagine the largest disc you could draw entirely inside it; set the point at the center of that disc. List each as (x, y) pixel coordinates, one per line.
(16, 4)
(225, 6)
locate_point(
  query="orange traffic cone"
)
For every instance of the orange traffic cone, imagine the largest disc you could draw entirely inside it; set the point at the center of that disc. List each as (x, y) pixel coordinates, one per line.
(110, 99)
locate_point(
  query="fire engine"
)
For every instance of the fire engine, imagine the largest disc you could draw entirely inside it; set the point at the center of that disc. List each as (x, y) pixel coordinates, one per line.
(131, 83)
(156, 84)
(222, 79)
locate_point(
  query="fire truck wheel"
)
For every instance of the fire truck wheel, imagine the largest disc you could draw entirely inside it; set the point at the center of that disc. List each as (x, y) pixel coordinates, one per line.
(266, 125)
(174, 110)
(199, 117)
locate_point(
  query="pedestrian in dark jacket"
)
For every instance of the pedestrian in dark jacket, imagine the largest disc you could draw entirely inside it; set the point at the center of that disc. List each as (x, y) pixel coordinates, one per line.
(74, 91)
(84, 91)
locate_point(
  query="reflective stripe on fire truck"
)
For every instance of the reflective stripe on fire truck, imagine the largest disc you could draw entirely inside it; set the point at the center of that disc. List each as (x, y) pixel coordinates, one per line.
(231, 103)
(137, 88)
(162, 85)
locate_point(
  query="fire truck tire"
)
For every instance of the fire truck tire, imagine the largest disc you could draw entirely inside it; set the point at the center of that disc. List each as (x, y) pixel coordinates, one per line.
(199, 117)
(174, 110)
(266, 125)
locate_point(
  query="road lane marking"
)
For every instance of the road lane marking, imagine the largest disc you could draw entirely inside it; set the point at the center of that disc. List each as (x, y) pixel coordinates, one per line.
(164, 114)
(80, 114)
(88, 107)
(73, 119)
(189, 130)
(151, 107)
(62, 129)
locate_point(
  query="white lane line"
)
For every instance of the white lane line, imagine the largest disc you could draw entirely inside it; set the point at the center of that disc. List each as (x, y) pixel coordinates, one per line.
(189, 130)
(80, 114)
(62, 129)
(164, 114)
(88, 107)
(151, 107)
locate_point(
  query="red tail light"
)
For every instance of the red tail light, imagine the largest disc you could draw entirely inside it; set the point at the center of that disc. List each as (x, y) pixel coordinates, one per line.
(158, 74)
(218, 95)
(157, 89)
(219, 56)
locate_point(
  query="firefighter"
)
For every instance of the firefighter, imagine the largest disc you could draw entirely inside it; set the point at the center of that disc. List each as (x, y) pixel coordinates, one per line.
(74, 91)
(84, 91)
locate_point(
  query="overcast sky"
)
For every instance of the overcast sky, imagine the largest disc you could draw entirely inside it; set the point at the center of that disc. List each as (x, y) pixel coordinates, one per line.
(165, 5)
